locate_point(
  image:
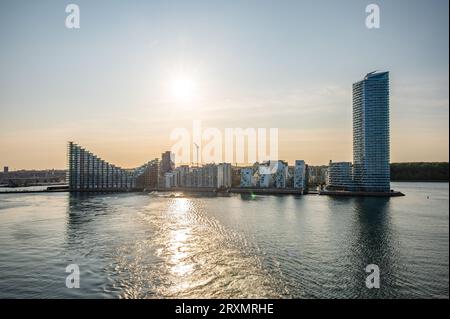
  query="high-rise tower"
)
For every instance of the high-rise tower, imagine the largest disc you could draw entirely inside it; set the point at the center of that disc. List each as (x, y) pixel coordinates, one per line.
(371, 171)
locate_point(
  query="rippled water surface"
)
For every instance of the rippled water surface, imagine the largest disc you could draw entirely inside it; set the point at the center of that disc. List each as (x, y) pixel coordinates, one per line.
(178, 246)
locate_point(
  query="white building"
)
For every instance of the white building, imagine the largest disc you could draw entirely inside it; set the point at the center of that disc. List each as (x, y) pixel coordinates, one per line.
(265, 180)
(280, 175)
(265, 173)
(300, 174)
(246, 177)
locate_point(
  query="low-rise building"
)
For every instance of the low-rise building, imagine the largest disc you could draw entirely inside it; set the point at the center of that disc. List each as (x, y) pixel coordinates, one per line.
(340, 176)
(246, 177)
(280, 175)
(265, 175)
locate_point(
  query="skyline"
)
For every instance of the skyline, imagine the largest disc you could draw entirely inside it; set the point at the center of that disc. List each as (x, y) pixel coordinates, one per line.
(109, 85)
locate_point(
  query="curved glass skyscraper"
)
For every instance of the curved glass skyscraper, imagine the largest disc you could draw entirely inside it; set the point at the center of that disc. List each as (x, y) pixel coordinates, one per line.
(371, 171)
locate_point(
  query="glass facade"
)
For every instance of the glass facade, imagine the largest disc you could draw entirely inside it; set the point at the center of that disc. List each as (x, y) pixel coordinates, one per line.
(340, 176)
(371, 171)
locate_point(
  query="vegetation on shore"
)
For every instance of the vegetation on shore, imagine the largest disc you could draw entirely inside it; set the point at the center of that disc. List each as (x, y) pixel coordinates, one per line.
(420, 171)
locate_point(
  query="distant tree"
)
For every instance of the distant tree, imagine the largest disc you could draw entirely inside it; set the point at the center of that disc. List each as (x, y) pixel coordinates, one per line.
(420, 171)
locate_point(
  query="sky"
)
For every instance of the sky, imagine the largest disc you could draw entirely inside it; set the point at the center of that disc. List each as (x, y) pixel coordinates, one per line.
(136, 70)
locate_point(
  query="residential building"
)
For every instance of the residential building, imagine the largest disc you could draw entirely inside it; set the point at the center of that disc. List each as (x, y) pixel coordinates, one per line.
(224, 175)
(167, 162)
(371, 149)
(340, 176)
(246, 177)
(86, 171)
(265, 175)
(300, 175)
(280, 175)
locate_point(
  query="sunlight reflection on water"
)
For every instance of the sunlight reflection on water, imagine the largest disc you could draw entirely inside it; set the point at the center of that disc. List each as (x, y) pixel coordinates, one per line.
(164, 246)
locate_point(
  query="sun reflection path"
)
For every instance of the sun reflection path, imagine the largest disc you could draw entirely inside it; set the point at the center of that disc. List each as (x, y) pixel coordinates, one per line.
(180, 234)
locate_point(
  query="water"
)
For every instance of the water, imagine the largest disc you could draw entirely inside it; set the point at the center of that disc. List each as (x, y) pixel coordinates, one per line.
(176, 246)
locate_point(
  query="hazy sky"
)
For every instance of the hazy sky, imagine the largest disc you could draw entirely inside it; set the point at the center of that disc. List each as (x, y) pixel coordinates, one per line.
(246, 63)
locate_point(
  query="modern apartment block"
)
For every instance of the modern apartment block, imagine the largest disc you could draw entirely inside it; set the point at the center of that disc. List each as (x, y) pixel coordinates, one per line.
(265, 175)
(167, 162)
(371, 150)
(86, 171)
(224, 175)
(300, 175)
(317, 175)
(270, 174)
(183, 176)
(170, 180)
(340, 176)
(280, 175)
(151, 176)
(265, 180)
(208, 175)
(246, 177)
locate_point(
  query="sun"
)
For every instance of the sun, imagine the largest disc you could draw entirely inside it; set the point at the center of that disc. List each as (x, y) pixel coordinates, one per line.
(183, 88)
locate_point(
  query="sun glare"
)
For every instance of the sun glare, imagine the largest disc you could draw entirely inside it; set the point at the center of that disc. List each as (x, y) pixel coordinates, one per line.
(183, 88)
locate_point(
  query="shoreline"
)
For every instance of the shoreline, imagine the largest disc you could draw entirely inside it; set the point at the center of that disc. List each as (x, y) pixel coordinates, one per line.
(210, 190)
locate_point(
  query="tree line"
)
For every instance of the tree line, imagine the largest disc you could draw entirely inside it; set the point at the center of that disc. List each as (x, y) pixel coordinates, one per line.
(420, 171)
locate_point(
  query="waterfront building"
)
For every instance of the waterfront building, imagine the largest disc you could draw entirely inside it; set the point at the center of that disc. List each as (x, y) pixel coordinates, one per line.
(208, 175)
(224, 175)
(235, 176)
(167, 162)
(300, 175)
(246, 177)
(317, 175)
(182, 176)
(265, 180)
(265, 175)
(176, 178)
(150, 177)
(169, 180)
(280, 175)
(196, 180)
(290, 177)
(189, 177)
(340, 176)
(86, 171)
(371, 149)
